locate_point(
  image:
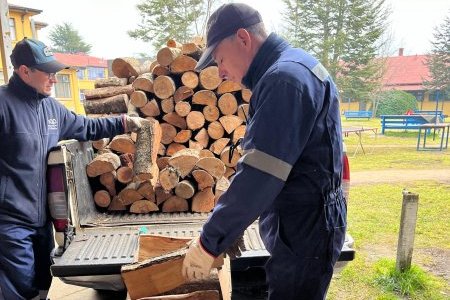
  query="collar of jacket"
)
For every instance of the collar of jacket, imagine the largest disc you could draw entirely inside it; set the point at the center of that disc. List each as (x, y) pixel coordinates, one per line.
(18, 86)
(269, 52)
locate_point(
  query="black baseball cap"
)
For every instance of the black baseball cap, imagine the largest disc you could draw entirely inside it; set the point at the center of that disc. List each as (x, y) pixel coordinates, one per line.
(35, 54)
(224, 22)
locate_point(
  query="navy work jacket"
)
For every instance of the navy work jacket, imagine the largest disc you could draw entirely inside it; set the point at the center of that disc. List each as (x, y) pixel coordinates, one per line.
(30, 125)
(292, 146)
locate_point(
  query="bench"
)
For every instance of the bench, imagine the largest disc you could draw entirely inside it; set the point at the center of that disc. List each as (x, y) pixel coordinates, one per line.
(431, 113)
(353, 114)
(402, 122)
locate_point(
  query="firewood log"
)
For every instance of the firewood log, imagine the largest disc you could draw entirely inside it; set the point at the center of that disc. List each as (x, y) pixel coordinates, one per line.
(106, 162)
(184, 161)
(173, 44)
(203, 201)
(116, 205)
(182, 108)
(211, 113)
(162, 194)
(162, 149)
(122, 143)
(212, 165)
(162, 162)
(206, 153)
(182, 93)
(139, 99)
(230, 122)
(209, 78)
(108, 91)
(167, 105)
(151, 109)
(192, 50)
(174, 119)
(169, 177)
(147, 190)
(246, 95)
(169, 132)
(175, 204)
(215, 130)
(143, 207)
(195, 120)
(228, 86)
(125, 67)
(129, 194)
(204, 97)
(144, 82)
(159, 70)
(221, 187)
(111, 81)
(190, 79)
(227, 104)
(203, 178)
(229, 172)
(100, 144)
(181, 64)
(195, 145)
(238, 133)
(183, 136)
(125, 174)
(113, 104)
(174, 148)
(225, 157)
(243, 112)
(202, 137)
(132, 110)
(108, 180)
(126, 160)
(218, 146)
(164, 87)
(167, 55)
(102, 198)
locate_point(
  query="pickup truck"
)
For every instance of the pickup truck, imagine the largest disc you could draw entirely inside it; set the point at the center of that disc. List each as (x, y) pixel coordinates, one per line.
(92, 245)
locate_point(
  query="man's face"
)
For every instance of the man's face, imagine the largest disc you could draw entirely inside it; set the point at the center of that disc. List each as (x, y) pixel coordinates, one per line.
(41, 81)
(231, 59)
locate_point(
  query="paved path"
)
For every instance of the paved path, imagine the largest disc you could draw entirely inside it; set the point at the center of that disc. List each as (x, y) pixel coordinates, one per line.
(398, 175)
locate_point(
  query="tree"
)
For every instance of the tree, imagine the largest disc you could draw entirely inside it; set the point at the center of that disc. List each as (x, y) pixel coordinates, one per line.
(395, 103)
(66, 39)
(439, 60)
(170, 19)
(345, 36)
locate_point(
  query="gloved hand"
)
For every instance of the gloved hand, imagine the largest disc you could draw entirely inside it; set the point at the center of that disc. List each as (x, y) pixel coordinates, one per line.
(198, 262)
(132, 124)
(235, 250)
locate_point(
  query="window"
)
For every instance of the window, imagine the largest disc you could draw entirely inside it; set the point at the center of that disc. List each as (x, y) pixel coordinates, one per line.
(80, 73)
(417, 94)
(12, 28)
(438, 95)
(95, 72)
(62, 87)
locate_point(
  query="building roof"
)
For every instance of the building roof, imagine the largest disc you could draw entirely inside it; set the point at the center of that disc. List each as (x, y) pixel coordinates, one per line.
(81, 60)
(406, 73)
(23, 9)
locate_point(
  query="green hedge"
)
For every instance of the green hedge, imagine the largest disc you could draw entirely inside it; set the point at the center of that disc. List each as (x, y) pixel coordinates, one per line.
(395, 103)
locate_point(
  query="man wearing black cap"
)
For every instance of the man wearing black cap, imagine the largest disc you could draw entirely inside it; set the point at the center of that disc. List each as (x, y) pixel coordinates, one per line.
(31, 123)
(290, 173)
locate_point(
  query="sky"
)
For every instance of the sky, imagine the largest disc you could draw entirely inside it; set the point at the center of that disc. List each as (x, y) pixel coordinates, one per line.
(104, 23)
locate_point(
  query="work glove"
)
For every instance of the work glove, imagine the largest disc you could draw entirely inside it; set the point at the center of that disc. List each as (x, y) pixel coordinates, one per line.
(198, 262)
(235, 250)
(132, 124)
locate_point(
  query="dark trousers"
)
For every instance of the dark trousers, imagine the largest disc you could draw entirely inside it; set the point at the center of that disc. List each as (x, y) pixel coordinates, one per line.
(24, 260)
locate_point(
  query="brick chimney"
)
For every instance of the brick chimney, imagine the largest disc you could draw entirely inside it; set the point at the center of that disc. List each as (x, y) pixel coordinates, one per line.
(400, 51)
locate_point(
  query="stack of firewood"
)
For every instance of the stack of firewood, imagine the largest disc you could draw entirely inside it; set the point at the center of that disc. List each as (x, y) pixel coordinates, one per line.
(201, 117)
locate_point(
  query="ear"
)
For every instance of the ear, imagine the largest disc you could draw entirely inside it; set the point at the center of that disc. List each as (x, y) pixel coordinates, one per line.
(244, 38)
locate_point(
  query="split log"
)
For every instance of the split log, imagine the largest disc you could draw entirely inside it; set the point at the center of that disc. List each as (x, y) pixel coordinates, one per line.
(138, 99)
(184, 161)
(164, 87)
(228, 86)
(111, 81)
(227, 104)
(218, 146)
(190, 79)
(168, 178)
(212, 165)
(113, 104)
(174, 119)
(169, 132)
(202, 137)
(185, 189)
(143, 207)
(206, 153)
(167, 55)
(151, 109)
(103, 163)
(243, 112)
(127, 160)
(229, 172)
(182, 108)
(209, 78)
(183, 136)
(162, 195)
(122, 143)
(195, 145)
(215, 130)
(225, 157)
(174, 44)
(211, 113)
(175, 204)
(144, 82)
(108, 91)
(246, 95)
(147, 145)
(147, 190)
(221, 187)
(116, 205)
(102, 198)
(230, 123)
(125, 67)
(192, 50)
(238, 133)
(167, 105)
(195, 120)
(129, 194)
(125, 174)
(181, 64)
(203, 178)
(100, 144)
(162, 149)
(159, 70)
(204, 97)
(174, 148)
(182, 93)
(108, 180)
(162, 162)
(203, 201)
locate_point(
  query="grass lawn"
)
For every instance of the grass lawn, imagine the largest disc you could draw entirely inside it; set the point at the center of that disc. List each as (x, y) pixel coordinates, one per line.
(373, 221)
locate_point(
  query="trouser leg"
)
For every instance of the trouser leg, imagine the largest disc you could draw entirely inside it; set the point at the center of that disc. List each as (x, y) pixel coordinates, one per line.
(43, 245)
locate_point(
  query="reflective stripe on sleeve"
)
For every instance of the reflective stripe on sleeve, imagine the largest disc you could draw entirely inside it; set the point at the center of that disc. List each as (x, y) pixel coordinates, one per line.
(320, 72)
(267, 163)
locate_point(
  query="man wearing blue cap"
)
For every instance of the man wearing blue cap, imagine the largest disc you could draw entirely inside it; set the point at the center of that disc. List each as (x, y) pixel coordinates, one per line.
(31, 123)
(290, 173)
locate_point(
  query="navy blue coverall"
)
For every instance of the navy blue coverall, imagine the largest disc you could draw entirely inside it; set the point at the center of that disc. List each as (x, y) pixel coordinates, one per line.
(30, 125)
(289, 175)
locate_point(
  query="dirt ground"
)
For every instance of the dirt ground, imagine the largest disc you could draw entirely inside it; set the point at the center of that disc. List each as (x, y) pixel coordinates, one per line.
(439, 264)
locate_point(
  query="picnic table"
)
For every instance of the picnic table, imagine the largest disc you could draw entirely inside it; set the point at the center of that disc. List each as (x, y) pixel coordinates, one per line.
(404, 121)
(358, 131)
(444, 127)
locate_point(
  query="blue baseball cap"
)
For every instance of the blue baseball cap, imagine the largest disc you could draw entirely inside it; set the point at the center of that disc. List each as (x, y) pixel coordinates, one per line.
(224, 22)
(35, 54)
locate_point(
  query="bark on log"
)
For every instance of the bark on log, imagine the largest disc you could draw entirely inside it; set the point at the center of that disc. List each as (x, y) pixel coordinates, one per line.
(151, 109)
(139, 99)
(167, 55)
(169, 177)
(181, 64)
(125, 67)
(132, 110)
(182, 93)
(204, 97)
(227, 104)
(209, 78)
(212, 165)
(203, 178)
(102, 198)
(113, 104)
(111, 81)
(144, 82)
(175, 204)
(122, 144)
(190, 79)
(184, 161)
(164, 87)
(106, 162)
(126, 160)
(143, 207)
(211, 113)
(228, 86)
(203, 201)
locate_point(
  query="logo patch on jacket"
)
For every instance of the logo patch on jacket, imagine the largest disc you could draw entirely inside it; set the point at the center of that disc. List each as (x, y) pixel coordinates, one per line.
(52, 124)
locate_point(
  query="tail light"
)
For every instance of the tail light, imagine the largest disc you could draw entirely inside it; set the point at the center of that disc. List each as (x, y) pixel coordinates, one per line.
(345, 175)
(57, 195)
